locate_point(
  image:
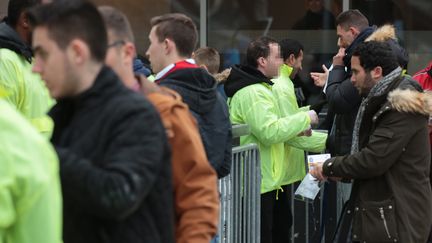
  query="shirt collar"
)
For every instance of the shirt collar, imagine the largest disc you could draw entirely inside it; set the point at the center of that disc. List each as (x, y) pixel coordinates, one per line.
(285, 70)
(171, 66)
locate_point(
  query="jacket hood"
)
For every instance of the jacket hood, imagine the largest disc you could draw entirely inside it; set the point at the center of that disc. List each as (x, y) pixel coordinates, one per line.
(383, 33)
(196, 86)
(222, 76)
(411, 101)
(242, 76)
(387, 33)
(10, 39)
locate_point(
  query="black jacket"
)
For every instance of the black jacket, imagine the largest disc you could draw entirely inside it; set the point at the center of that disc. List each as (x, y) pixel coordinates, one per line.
(114, 165)
(9, 39)
(343, 100)
(198, 90)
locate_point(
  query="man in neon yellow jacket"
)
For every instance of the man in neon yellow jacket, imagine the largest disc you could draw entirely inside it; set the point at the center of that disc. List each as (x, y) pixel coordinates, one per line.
(283, 90)
(252, 102)
(30, 196)
(25, 90)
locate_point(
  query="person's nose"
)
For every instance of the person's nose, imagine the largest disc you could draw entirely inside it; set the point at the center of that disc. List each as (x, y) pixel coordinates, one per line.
(37, 66)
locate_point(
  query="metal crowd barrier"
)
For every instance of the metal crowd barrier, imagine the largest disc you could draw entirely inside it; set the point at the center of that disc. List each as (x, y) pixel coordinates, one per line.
(314, 221)
(239, 220)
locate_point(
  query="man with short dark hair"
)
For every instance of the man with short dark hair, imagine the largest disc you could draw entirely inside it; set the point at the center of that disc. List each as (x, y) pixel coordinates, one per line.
(24, 89)
(114, 155)
(283, 90)
(343, 99)
(195, 182)
(390, 162)
(252, 102)
(173, 38)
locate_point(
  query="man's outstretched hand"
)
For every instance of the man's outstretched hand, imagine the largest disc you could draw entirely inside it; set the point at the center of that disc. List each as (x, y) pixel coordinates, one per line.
(320, 78)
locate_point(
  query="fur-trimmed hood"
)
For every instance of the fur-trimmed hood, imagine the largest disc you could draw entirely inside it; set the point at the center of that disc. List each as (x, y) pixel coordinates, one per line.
(222, 76)
(412, 101)
(383, 33)
(387, 33)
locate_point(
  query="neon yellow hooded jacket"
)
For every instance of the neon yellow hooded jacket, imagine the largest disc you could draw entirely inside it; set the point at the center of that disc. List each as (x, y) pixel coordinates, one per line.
(25, 90)
(30, 195)
(256, 106)
(294, 168)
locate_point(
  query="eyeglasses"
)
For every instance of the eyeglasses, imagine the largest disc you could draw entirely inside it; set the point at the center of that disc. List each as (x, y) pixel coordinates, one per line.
(116, 43)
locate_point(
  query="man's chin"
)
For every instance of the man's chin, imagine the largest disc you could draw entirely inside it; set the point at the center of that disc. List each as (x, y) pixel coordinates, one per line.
(363, 93)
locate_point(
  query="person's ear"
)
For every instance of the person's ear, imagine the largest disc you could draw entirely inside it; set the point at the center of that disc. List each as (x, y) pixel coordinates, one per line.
(261, 61)
(291, 60)
(78, 51)
(377, 73)
(23, 21)
(354, 31)
(128, 51)
(169, 46)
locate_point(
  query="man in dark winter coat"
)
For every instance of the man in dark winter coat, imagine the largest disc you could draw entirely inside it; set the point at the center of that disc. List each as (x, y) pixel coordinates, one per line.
(352, 29)
(390, 164)
(114, 156)
(173, 38)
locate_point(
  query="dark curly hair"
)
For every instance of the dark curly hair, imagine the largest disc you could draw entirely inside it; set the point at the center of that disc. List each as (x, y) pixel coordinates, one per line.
(373, 54)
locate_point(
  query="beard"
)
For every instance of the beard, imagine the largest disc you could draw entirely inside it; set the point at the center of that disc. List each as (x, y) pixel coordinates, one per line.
(368, 84)
(294, 73)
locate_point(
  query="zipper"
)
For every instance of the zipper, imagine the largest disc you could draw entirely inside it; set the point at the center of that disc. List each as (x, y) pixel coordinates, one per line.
(385, 222)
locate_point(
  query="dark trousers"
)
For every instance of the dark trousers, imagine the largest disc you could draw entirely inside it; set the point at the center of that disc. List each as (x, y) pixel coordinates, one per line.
(276, 217)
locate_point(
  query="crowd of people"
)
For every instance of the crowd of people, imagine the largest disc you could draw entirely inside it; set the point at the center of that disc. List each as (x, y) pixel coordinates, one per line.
(95, 147)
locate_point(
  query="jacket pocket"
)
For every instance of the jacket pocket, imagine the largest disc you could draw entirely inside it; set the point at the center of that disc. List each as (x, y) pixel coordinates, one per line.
(375, 222)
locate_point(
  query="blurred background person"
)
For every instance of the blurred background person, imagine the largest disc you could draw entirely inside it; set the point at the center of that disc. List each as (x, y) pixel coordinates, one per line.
(316, 17)
(114, 156)
(173, 38)
(30, 195)
(26, 91)
(196, 201)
